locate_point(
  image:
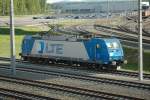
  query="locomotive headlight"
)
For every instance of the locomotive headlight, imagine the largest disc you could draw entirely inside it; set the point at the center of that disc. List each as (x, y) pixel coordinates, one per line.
(114, 62)
(97, 46)
(125, 61)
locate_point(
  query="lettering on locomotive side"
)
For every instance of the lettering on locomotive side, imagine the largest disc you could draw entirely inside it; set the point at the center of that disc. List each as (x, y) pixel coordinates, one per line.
(50, 48)
(40, 47)
(54, 48)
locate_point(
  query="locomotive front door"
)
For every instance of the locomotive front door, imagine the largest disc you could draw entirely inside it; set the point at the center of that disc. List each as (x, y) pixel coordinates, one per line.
(97, 52)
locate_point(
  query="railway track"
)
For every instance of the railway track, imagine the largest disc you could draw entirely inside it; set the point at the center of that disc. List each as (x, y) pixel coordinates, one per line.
(69, 89)
(130, 41)
(111, 32)
(128, 74)
(17, 95)
(126, 29)
(135, 20)
(88, 78)
(126, 40)
(117, 72)
(126, 36)
(146, 27)
(8, 59)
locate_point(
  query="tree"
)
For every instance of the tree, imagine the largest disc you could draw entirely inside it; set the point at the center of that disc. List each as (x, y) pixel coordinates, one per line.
(22, 7)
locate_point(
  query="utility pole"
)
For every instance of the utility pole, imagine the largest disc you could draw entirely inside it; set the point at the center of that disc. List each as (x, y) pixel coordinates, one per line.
(107, 9)
(140, 61)
(12, 38)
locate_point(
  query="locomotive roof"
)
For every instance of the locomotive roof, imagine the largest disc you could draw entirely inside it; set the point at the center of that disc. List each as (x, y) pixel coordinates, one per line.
(65, 38)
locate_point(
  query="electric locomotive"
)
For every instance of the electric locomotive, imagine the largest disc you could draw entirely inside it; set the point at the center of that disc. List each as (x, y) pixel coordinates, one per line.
(104, 53)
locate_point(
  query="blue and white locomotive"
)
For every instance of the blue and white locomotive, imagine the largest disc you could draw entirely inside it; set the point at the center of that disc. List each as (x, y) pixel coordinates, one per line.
(106, 53)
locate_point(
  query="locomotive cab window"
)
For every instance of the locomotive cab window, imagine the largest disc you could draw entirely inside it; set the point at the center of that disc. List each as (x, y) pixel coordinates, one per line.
(113, 45)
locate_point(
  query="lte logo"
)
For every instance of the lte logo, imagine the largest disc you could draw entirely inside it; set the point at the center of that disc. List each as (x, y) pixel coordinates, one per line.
(54, 48)
(41, 47)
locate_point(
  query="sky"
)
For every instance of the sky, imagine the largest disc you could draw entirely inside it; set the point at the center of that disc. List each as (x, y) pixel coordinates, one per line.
(55, 1)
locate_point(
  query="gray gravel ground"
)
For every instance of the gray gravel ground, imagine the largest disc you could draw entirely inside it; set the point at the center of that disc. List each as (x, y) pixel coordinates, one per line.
(82, 71)
(39, 91)
(73, 82)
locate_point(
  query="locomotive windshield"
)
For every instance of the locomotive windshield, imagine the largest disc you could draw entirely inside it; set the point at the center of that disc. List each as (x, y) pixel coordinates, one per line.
(113, 45)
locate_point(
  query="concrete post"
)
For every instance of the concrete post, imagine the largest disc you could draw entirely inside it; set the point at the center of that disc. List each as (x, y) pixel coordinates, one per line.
(140, 61)
(12, 38)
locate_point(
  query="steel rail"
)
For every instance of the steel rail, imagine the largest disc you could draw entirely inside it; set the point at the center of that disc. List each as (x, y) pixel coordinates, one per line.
(109, 81)
(69, 89)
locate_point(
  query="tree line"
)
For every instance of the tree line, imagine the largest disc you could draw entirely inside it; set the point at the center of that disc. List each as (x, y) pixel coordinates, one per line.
(23, 7)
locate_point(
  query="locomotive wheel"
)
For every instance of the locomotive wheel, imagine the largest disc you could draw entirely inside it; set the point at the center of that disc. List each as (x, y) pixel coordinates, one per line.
(24, 58)
(112, 67)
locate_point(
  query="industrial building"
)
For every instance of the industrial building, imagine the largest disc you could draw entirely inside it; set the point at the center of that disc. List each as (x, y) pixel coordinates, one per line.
(96, 6)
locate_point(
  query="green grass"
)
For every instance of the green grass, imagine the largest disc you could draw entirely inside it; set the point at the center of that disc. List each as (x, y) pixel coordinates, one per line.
(20, 32)
(132, 56)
